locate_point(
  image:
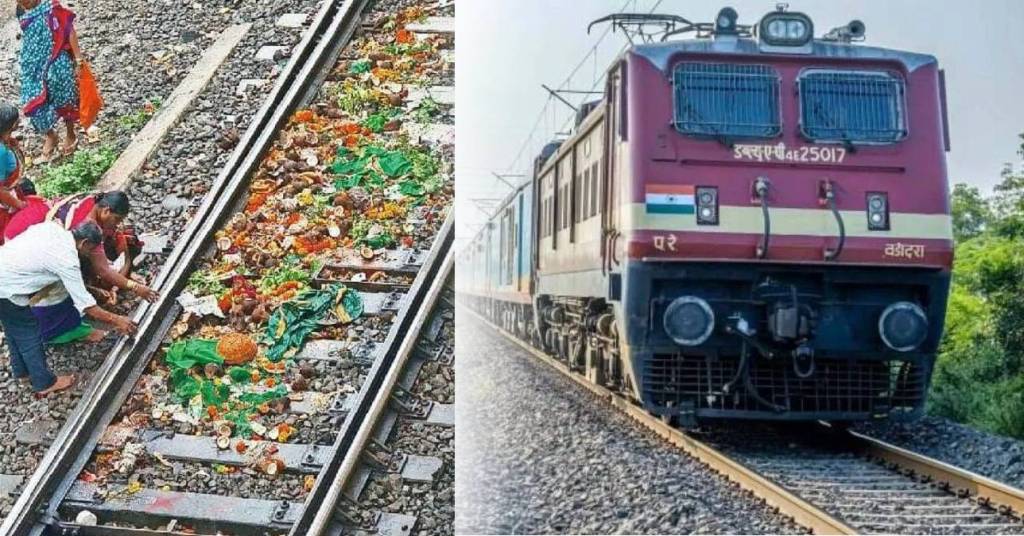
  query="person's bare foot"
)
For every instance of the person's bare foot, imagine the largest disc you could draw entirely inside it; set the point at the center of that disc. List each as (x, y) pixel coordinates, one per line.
(62, 383)
(97, 335)
(70, 142)
(49, 146)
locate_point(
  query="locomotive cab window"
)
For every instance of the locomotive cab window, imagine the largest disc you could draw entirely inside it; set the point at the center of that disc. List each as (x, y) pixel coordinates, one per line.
(726, 100)
(852, 106)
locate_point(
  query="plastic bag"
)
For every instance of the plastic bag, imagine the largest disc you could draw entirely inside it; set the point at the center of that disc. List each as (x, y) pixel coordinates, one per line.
(89, 99)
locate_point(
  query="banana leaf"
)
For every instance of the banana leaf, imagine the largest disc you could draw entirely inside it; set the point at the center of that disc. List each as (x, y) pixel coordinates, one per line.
(191, 352)
(395, 164)
(256, 399)
(297, 318)
(214, 395)
(239, 375)
(241, 420)
(185, 386)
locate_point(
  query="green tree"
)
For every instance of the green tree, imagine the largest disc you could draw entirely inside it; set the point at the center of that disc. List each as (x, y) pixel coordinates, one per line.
(971, 212)
(1008, 203)
(979, 375)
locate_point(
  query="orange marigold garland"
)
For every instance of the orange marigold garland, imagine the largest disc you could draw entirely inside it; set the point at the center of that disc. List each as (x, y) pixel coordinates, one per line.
(236, 349)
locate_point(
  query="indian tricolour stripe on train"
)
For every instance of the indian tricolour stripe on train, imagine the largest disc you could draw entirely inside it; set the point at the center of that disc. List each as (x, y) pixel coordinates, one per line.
(669, 199)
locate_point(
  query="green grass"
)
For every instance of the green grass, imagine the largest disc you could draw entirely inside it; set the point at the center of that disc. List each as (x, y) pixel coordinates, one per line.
(140, 117)
(77, 175)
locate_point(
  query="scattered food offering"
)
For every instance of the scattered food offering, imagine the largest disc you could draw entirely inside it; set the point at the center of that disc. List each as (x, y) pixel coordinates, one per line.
(336, 223)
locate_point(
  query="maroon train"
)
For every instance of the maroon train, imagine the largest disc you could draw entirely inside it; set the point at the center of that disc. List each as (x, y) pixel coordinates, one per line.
(754, 223)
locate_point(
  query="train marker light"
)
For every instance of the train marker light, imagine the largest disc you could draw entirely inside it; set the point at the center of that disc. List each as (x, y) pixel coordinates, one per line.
(903, 326)
(689, 321)
(707, 205)
(878, 211)
(786, 29)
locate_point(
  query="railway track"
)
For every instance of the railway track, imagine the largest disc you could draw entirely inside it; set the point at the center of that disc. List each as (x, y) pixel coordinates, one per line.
(840, 482)
(257, 445)
(389, 464)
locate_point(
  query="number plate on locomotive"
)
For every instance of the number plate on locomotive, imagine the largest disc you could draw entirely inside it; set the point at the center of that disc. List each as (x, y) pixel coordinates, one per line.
(781, 153)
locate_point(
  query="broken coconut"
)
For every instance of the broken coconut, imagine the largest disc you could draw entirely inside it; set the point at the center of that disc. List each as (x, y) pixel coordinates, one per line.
(223, 442)
(273, 466)
(258, 428)
(211, 371)
(87, 519)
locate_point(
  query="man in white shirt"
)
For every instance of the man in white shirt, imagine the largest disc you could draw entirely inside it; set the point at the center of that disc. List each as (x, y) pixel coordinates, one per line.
(43, 255)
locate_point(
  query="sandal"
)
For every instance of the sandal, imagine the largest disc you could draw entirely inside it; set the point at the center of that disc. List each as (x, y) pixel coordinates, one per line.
(70, 148)
(62, 383)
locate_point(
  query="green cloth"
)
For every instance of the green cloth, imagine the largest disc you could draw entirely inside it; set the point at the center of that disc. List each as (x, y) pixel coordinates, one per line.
(82, 331)
(297, 318)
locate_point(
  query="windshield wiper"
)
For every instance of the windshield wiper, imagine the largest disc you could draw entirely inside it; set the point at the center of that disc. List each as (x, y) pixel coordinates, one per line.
(844, 136)
(695, 117)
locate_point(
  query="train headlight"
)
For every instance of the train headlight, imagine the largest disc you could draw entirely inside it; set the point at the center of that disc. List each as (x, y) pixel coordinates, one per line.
(903, 326)
(707, 205)
(689, 321)
(725, 22)
(786, 29)
(878, 211)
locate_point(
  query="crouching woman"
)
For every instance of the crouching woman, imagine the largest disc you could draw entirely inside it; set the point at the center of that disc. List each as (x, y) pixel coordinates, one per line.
(46, 254)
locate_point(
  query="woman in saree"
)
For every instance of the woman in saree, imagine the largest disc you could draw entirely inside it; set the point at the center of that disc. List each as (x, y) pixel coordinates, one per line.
(49, 66)
(59, 320)
(10, 166)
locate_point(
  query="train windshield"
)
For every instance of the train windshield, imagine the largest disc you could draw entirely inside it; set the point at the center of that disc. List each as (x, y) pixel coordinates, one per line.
(852, 106)
(726, 100)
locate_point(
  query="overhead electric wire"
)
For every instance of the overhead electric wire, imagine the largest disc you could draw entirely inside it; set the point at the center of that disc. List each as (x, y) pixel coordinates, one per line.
(548, 113)
(547, 104)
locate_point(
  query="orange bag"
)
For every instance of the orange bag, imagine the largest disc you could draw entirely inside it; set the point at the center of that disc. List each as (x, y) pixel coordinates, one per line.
(89, 99)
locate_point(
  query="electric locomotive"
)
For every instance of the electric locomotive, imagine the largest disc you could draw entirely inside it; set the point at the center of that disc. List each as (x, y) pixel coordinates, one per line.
(750, 224)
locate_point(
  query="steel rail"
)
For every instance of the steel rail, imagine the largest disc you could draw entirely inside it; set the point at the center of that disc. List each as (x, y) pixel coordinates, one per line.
(1006, 499)
(375, 395)
(37, 505)
(790, 504)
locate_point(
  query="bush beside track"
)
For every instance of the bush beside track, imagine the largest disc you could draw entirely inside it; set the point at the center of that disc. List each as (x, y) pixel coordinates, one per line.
(979, 378)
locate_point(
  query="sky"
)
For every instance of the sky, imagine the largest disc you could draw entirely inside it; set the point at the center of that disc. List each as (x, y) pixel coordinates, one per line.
(507, 48)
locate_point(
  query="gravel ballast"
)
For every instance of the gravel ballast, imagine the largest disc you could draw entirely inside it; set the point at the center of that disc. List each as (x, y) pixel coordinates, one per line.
(997, 457)
(535, 453)
(432, 503)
